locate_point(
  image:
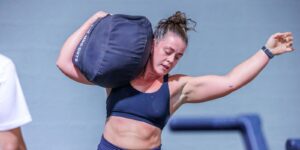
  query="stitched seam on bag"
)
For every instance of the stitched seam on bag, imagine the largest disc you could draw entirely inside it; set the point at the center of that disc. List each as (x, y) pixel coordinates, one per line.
(100, 64)
(145, 45)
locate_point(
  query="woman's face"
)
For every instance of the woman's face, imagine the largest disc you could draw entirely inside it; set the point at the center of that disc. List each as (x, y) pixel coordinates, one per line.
(167, 52)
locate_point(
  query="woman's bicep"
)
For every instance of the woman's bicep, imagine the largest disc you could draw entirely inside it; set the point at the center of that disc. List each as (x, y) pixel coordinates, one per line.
(204, 88)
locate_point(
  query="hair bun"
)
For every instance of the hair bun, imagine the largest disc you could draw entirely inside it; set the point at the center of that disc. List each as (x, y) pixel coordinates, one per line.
(177, 18)
(177, 23)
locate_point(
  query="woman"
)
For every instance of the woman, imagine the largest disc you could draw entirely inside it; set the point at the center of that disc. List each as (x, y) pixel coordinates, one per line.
(137, 112)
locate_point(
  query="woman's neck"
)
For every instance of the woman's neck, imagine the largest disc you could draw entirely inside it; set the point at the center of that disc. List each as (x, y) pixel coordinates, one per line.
(148, 74)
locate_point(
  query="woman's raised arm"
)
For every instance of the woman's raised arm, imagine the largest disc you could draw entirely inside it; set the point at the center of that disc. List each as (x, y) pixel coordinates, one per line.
(203, 88)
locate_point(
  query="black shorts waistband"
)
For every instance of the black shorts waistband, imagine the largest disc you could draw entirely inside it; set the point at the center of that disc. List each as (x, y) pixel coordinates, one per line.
(106, 145)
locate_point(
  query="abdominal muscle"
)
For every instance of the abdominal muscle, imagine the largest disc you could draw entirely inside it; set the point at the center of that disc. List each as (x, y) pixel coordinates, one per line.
(131, 134)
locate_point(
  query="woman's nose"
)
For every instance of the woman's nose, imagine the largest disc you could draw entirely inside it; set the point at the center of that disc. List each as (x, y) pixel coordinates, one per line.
(171, 58)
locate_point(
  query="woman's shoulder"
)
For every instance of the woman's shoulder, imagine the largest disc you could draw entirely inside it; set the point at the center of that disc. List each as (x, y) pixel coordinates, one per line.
(179, 78)
(177, 81)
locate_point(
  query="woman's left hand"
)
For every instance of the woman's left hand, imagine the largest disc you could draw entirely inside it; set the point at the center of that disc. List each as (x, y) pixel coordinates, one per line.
(280, 43)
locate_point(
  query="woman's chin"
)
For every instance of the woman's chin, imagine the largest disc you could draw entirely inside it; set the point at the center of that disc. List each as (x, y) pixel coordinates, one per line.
(161, 71)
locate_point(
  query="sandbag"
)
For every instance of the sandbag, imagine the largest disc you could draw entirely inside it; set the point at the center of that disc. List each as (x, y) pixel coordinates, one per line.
(114, 50)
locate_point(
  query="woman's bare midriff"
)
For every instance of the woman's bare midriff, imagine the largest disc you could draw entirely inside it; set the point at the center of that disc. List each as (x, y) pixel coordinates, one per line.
(131, 134)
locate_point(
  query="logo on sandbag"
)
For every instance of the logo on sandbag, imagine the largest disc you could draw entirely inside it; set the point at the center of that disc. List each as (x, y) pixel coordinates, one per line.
(79, 48)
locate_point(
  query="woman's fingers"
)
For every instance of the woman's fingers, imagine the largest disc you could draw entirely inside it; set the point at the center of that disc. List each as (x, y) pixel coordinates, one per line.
(289, 39)
(288, 33)
(278, 35)
(289, 44)
(282, 34)
(284, 37)
(101, 14)
(290, 49)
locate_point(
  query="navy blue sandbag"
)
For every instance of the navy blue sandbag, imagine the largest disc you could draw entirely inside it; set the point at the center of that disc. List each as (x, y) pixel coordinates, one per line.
(114, 50)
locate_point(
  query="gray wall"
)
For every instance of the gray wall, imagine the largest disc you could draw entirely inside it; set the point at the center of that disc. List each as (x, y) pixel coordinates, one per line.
(67, 115)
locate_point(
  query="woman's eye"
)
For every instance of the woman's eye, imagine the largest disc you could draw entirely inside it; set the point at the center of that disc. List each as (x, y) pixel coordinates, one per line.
(177, 57)
(167, 51)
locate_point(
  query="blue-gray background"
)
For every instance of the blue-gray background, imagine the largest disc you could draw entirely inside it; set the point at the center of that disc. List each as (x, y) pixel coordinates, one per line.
(70, 116)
